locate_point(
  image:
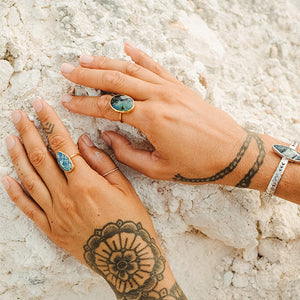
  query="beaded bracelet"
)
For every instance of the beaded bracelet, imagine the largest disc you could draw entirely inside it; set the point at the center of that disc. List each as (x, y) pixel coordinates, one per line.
(287, 154)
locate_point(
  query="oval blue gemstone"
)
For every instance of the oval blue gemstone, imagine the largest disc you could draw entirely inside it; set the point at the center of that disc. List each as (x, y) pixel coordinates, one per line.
(64, 161)
(122, 103)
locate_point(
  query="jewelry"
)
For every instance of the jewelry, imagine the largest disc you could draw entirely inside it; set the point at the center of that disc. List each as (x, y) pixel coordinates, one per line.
(287, 154)
(65, 161)
(122, 104)
(115, 169)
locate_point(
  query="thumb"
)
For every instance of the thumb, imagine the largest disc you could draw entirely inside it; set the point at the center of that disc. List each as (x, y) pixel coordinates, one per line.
(146, 162)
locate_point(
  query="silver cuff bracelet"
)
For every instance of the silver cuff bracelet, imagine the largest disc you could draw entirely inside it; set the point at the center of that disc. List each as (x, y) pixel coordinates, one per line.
(287, 154)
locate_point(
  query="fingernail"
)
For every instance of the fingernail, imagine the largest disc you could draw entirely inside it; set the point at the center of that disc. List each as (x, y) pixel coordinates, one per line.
(67, 68)
(5, 182)
(37, 105)
(10, 142)
(129, 44)
(85, 58)
(66, 98)
(16, 117)
(106, 139)
(87, 141)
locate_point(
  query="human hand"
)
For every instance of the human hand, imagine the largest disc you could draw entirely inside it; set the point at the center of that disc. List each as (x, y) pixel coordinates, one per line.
(100, 220)
(194, 141)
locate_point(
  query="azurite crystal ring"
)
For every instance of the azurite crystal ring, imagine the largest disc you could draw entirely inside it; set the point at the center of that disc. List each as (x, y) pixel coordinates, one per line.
(65, 161)
(122, 104)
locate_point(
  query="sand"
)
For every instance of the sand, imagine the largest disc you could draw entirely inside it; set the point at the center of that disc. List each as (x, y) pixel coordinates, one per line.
(242, 56)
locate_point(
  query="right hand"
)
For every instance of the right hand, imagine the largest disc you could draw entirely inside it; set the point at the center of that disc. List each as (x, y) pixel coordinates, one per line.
(191, 137)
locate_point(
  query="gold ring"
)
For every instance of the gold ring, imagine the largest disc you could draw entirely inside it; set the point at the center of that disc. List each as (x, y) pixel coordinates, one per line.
(73, 155)
(65, 161)
(109, 172)
(122, 104)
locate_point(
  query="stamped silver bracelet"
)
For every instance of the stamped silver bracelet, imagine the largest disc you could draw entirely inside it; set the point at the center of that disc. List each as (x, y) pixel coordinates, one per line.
(288, 154)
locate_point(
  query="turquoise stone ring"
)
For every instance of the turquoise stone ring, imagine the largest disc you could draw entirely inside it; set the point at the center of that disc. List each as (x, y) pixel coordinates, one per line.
(122, 104)
(65, 161)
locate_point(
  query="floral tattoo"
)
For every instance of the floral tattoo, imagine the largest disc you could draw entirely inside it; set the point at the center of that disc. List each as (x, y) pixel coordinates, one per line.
(128, 258)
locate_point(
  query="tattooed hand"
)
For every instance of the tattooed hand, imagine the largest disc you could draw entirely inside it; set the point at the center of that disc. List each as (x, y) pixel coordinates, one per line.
(100, 220)
(194, 141)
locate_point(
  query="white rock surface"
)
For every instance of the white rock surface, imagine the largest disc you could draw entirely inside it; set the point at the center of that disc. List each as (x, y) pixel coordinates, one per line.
(242, 56)
(6, 71)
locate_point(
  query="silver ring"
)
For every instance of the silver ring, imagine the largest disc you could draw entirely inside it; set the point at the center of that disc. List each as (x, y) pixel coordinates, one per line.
(116, 169)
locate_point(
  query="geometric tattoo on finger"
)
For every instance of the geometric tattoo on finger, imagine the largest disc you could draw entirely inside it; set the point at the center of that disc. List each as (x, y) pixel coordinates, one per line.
(49, 127)
(128, 258)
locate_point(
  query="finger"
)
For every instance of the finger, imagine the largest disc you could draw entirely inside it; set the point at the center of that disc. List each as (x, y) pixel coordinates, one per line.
(143, 161)
(27, 174)
(27, 205)
(40, 158)
(59, 138)
(100, 161)
(100, 107)
(131, 69)
(110, 80)
(144, 60)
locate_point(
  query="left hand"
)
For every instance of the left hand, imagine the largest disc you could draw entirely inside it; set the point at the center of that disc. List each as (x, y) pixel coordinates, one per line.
(69, 207)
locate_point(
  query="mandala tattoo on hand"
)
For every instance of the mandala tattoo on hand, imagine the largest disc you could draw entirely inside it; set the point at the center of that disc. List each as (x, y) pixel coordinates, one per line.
(128, 258)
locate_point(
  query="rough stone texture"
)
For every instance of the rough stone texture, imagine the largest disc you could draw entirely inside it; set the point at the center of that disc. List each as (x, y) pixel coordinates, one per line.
(242, 56)
(6, 71)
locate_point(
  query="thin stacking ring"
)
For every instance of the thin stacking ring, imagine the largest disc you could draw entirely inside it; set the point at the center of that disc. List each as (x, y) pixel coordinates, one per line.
(111, 171)
(65, 161)
(122, 104)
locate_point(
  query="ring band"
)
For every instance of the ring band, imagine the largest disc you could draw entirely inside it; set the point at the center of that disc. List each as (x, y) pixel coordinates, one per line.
(74, 155)
(65, 161)
(122, 104)
(111, 171)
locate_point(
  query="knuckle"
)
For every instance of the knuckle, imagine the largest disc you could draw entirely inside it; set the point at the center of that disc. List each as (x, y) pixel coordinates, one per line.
(157, 68)
(165, 94)
(30, 213)
(68, 205)
(24, 127)
(103, 107)
(15, 156)
(119, 154)
(57, 142)
(132, 69)
(80, 100)
(114, 78)
(15, 197)
(142, 56)
(82, 74)
(102, 62)
(37, 157)
(84, 188)
(29, 183)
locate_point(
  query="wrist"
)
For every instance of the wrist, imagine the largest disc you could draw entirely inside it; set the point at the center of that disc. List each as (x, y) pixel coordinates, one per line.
(130, 259)
(287, 187)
